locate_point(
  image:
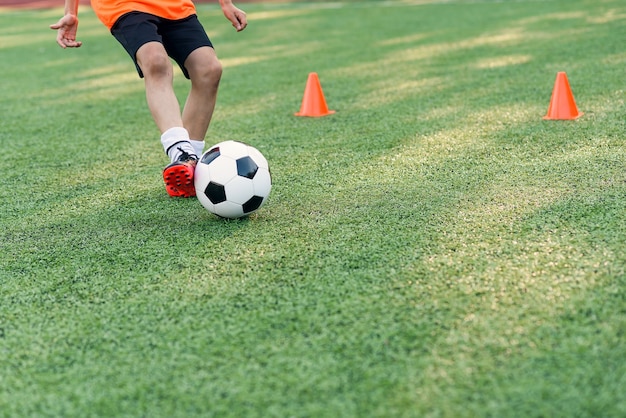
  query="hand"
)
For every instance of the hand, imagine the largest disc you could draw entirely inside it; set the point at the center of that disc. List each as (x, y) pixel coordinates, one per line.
(66, 29)
(236, 16)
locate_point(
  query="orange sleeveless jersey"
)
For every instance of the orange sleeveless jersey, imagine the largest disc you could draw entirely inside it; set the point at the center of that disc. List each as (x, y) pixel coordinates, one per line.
(108, 11)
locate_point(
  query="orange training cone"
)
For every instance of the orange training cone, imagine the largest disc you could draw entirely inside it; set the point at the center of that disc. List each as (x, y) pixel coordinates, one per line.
(562, 104)
(313, 102)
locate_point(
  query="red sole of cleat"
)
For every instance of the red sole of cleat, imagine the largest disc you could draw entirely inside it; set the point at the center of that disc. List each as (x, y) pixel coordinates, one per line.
(179, 181)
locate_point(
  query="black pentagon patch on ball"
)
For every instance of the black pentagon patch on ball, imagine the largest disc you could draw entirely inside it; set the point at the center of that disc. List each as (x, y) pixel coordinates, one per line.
(253, 204)
(215, 192)
(246, 167)
(210, 155)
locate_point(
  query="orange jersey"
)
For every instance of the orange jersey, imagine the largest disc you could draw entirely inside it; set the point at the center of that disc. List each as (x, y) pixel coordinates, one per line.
(108, 11)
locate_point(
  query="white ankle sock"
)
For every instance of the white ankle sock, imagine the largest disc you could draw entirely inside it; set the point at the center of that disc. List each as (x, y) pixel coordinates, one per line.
(176, 141)
(198, 146)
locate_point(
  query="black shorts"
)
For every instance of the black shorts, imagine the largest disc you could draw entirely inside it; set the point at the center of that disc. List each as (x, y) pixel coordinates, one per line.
(179, 37)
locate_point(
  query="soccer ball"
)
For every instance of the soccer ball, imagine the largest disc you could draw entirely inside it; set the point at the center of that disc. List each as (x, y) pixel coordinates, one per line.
(232, 179)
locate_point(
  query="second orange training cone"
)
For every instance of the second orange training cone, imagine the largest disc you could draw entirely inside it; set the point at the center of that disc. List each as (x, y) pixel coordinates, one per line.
(562, 104)
(313, 101)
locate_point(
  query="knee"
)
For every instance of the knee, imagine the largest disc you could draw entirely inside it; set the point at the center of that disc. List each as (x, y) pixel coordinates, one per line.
(154, 63)
(214, 71)
(206, 74)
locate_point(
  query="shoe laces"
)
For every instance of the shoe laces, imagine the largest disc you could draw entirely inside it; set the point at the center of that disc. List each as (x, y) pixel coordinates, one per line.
(185, 156)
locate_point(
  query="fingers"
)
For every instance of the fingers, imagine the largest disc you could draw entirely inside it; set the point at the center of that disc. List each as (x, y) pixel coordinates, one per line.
(240, 22)
(66, 31)
(68, 43)
(58, 25)
(237, 17)
(66, 40)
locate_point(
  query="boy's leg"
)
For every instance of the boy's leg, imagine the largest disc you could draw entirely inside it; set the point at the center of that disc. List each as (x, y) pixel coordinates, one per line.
(157, 70)
(158, 76)
(140, 34)
(205, 72)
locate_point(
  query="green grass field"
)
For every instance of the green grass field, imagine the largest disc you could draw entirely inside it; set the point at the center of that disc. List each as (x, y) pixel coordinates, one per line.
(433, 249)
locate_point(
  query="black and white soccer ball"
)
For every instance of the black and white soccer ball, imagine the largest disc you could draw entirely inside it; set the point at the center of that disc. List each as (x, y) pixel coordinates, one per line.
(232, 179)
